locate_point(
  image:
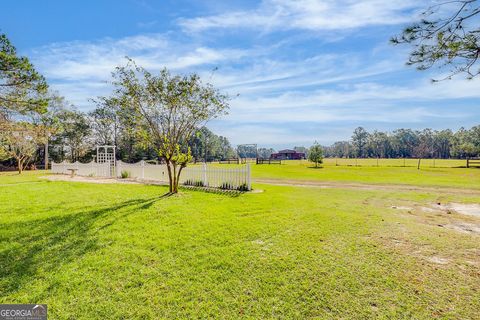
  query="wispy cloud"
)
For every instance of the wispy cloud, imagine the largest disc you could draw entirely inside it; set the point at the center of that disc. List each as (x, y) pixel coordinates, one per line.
(147, 24)
(80, 69)
(309, 15)
(81, 60)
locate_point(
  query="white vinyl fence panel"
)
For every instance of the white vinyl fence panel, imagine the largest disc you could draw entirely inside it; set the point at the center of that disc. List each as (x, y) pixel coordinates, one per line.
(143, 170)
(202, 176)
(225, 178)
(92, 169)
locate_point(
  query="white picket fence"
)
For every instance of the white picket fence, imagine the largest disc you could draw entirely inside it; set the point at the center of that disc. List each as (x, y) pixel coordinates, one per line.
(91, 169)
(198, 175)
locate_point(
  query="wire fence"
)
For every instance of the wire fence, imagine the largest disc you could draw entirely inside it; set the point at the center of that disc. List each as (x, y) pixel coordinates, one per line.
(399, 162)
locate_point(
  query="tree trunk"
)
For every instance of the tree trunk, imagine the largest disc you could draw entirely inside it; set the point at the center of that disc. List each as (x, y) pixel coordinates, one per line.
(20, 166)
(175, 183)
(178, 177)
(170, 180)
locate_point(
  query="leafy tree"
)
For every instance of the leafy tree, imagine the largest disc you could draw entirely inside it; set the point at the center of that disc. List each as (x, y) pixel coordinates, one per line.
(206, 145)
(225, 150)
(20, 140)
(315, 154)
(446, 39)
(302, 149)
(359, 141)
(50, 121)
(167, 110)
(74, 139)
(341, 149)
(247, 151)
(378, 144)
(265, 153)
(424, 148)
(403, 142)
(104, 124)
(443, 141)
(22, 99)
(22, 88)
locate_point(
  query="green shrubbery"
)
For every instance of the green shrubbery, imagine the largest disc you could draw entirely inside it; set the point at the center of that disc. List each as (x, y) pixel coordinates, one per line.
(195, 183)
(125, 174)
(230, 186)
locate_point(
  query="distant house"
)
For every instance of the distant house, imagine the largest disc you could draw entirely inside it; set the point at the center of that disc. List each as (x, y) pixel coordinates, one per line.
(288, 154)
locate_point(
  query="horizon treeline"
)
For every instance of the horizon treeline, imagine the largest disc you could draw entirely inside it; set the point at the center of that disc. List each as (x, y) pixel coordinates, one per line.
(408, 143)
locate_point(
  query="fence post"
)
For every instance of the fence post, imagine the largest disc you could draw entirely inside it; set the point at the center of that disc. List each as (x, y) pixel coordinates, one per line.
(119, 169)
(142, 163)
(205, 180)
(249, 183)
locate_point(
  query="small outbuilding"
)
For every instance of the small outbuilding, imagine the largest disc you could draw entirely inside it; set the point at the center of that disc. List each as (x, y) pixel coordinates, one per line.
(288, 154)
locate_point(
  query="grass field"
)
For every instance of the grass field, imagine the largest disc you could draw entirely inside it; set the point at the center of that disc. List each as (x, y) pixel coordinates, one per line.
(426, 176)
(119, 251)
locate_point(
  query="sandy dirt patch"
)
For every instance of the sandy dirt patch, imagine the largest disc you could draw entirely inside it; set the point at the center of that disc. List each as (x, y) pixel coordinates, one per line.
(455, 216)
(462, 208)
(464, 227)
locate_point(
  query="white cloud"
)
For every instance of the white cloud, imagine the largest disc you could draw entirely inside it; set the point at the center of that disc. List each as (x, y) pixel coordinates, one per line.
(96, 60)
(80, 69)
(310, 15)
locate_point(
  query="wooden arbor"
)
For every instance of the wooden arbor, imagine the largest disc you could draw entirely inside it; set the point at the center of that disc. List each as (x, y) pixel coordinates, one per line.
(106, 154)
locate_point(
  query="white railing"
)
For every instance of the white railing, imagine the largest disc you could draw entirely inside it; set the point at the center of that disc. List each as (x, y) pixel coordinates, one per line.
(200, 175)
(224, 178)
(92, 169)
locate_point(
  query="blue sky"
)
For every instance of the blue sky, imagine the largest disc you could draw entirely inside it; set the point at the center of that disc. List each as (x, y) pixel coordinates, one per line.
(303, 70)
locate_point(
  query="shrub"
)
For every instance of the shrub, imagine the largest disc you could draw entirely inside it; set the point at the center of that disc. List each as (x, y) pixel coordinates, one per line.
(243, 187)
(315, 154)
(196, 183)
(125, 174)
(227, 186)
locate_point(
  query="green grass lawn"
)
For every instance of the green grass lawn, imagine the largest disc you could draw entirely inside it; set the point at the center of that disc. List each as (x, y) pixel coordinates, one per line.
(426, 176)
(121, 251)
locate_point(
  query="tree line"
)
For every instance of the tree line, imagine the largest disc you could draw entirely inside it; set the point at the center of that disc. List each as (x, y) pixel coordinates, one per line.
(408, 143)
(73, 136)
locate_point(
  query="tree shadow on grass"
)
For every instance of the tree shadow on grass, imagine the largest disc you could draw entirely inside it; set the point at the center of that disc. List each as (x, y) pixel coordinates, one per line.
(44, 245)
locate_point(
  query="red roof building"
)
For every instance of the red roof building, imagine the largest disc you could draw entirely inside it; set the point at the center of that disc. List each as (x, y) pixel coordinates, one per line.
(288, 154)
